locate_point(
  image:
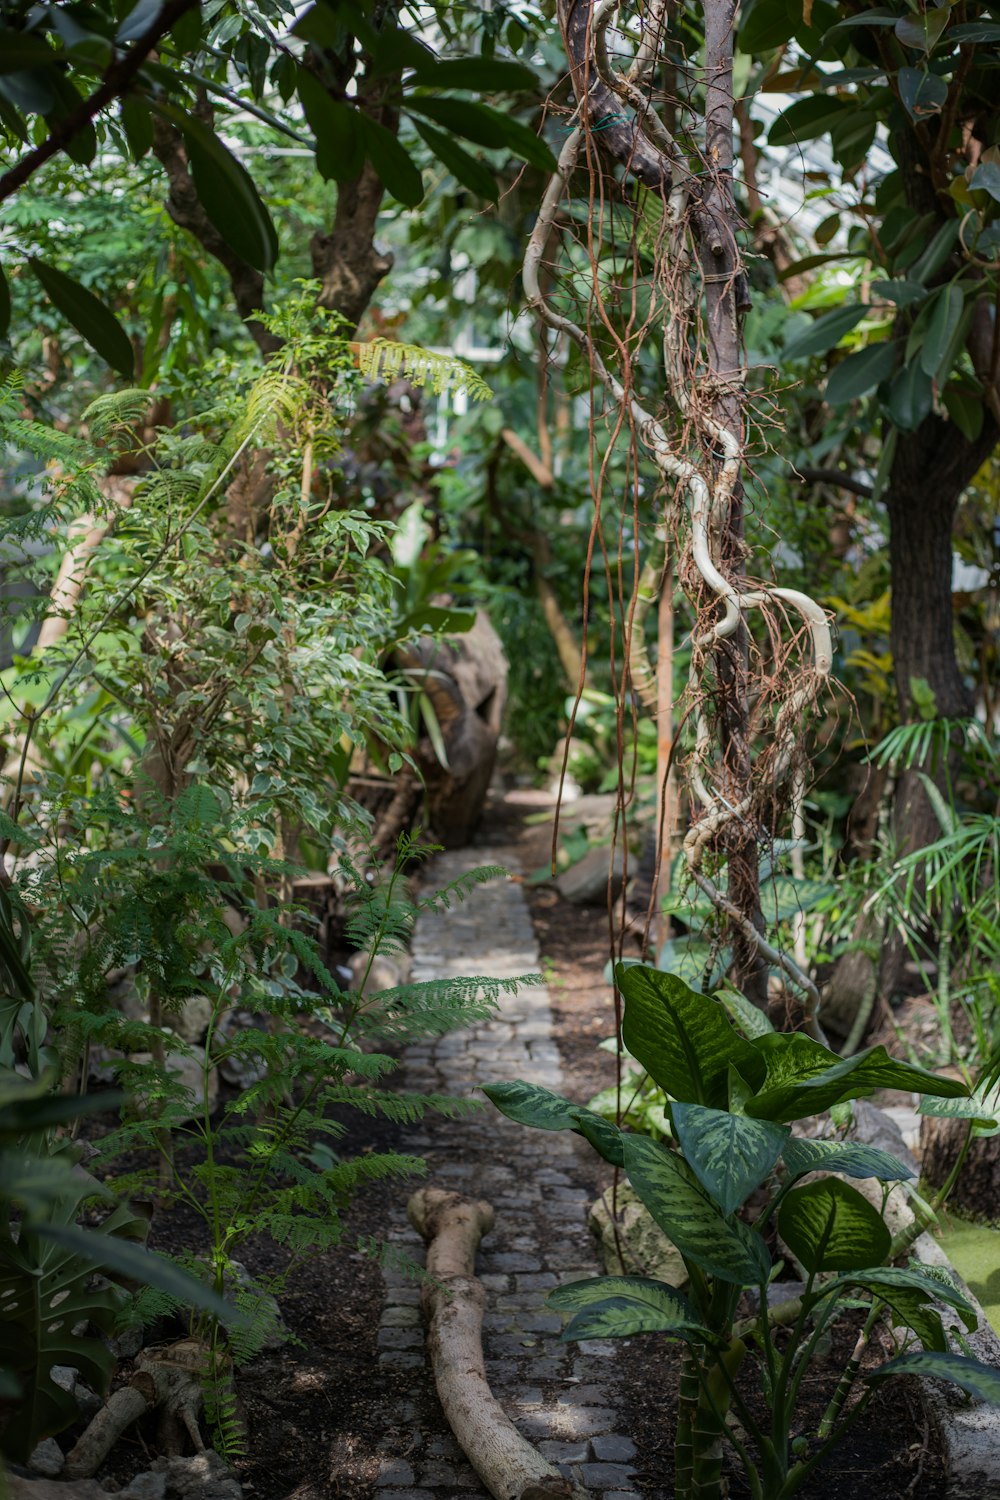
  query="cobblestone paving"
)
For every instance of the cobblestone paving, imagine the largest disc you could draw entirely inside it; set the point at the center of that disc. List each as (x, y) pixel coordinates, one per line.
(561, 1396)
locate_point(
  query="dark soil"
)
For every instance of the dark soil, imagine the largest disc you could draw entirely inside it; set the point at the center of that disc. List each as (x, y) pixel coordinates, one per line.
(316, 1411)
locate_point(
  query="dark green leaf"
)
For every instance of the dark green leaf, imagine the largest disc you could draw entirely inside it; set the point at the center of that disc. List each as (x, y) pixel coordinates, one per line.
(484, 75)
(395, 167)
(137, 1263)
(987, 178)
(790, 1097)
(911, 397)
(946, 335)
(530, 1104)
(965, 408)
(923, 31)
(971, 1375)
(138, 20)
(826, 332)
(469, 172)
(690, 1219)
(486, 126)
(685, 1040)
(807, 119)
(902, 293)
(31, 92)
(88, 315)
(923, 94)
(829, 1226)
(976, 31)
(764, 25)
(619, 1306)
(861, 373)
(340, 142)
(886, 1281)
(729, 1154)
(24, 49)
(877, 16)
(227, 193)
(849, 1158)
(137, 122)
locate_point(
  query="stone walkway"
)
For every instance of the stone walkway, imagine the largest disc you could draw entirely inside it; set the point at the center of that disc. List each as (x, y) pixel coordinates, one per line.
(561, 1396)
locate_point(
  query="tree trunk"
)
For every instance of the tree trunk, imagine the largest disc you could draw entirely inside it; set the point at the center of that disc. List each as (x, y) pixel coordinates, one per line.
(978, 1187)
(723, 276)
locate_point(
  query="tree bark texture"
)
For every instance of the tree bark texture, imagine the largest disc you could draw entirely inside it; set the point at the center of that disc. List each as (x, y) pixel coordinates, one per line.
(978, 1187)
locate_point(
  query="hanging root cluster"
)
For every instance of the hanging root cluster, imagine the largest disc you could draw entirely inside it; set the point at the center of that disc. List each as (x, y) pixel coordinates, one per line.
(744, 761)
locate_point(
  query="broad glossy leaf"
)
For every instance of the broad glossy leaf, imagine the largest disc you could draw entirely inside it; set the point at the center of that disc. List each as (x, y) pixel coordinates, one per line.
(850, 1158)
(668, 1188)
(340, 144)
(826, 332)
(397, 170)
(982, 1109)
(138, 20)
(979, 1380)
(24, 49)
(486, 126)
(468, 171)
(887, 1281)
(902, 293)
(88, 315)
(878, 16)
(976, 31)
(764, 25)
(848, 1078)
(750, 1019)
(806, 119)
(923, 93)
(966, 409)
(483, 75)
(729, 1154)
(618, 1306)
(137, 122)
(227, 193)
(937, 352)
(684, 1040)
(987, 178)
(911, 397)
(530, 1104)
(924, 30)
(29, 90)
(861, 373)
(829, 1226)
(934, 256)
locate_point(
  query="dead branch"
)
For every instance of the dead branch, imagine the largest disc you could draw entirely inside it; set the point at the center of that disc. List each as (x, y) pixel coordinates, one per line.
(510, 1468)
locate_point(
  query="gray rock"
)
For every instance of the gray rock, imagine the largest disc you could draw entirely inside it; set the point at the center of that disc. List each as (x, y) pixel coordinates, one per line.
(645, 1249)
(191, 1022)
(203, 1477)
(48, 1458)
(385, 973)
(586, 882)
(54, 1489)
(188, 1069)
(147, 1486)
(875, 1127)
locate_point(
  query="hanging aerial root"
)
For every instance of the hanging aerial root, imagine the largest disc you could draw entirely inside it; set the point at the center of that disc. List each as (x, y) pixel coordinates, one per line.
(454, 1301)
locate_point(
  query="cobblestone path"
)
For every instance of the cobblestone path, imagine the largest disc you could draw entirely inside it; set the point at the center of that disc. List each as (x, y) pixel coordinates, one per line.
(561, 1396)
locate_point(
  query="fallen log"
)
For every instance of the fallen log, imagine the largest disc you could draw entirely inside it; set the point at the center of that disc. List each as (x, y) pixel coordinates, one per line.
(454, 1300)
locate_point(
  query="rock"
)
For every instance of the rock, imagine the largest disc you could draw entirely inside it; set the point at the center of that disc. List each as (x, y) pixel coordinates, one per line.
(191, 1022)
(203, 1477)
(241, 1069)
(48, 1458)
(145, 1486)
(267, 1310)
(876, 1127)
(54, 1489)
(645, 1249)
(586, 882)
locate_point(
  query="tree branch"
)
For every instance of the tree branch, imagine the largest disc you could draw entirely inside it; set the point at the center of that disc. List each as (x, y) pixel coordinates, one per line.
(113, 85)
(838, 477)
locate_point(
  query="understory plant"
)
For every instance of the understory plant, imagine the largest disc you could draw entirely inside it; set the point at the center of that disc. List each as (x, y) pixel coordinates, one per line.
(742, 1194)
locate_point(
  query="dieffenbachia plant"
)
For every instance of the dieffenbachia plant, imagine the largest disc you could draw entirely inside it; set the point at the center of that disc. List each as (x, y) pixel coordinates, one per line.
(739, 1193)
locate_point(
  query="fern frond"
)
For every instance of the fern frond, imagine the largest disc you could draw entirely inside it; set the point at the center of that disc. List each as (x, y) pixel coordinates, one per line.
(118, 413)
(385, 360)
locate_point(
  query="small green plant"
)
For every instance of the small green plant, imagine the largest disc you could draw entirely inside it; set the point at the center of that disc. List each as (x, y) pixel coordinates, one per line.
(732, 1092)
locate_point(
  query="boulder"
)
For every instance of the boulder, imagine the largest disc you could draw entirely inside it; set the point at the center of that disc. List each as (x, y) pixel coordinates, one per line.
(644, 1248)
(586, 882)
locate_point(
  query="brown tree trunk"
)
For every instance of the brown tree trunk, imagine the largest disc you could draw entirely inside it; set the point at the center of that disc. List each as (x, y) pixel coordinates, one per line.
(978, 1187)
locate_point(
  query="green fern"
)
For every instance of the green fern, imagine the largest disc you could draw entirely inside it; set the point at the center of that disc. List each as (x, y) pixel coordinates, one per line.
(384, 360)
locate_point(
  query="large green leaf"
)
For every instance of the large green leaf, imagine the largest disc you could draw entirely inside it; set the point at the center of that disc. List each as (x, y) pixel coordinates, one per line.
(227, 192)
(486, 126)
(979, 1380)
(683, 1039)
(729, 1154)
(938, 351)
(530, 1104)
(690, 1219)
(911, 1293)
(483, 75)
(340, 145)
(791, 1097)
(807, 119)
(826, 332)
(923, 30)
(911, 397)
(88, 315)
(923, 93)
(829, 1226)
(850, 1158)
(618, 1306)
(469, 172)
(397, 170)
(861, 373)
